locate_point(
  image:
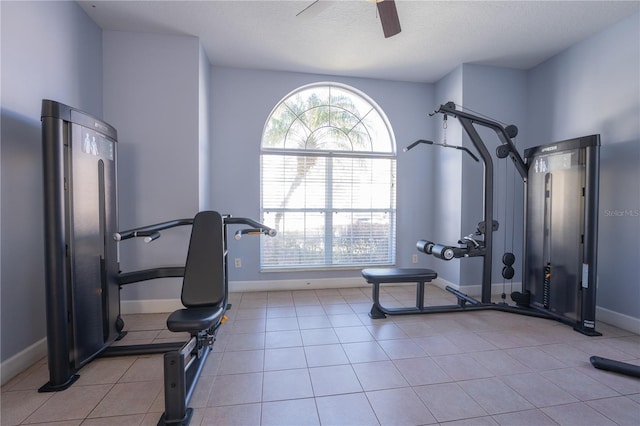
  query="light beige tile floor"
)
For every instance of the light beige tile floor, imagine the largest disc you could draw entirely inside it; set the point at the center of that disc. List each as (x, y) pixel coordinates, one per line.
(314, 357)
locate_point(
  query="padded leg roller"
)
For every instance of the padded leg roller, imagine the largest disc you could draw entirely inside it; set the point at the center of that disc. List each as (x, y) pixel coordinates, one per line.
(615, 366)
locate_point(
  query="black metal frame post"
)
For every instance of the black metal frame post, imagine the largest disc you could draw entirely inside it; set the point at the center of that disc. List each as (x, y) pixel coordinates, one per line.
(61, 375)
(590, 255)
(487, 208)
(467, 121)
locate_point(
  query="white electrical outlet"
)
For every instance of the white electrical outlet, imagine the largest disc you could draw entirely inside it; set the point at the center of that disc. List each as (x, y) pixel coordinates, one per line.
(414, 259)
(237, 262)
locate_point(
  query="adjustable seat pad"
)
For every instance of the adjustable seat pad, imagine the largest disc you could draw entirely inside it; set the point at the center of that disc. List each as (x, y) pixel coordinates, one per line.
(194, 319)
(398, 275)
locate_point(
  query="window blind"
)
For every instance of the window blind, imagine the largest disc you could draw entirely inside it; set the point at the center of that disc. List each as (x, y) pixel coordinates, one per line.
(328, 210)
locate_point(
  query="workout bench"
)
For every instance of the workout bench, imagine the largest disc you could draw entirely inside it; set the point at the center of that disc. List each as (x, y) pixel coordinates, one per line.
(376, 277)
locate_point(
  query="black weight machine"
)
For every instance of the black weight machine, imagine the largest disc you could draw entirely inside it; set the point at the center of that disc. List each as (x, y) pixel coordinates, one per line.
(82, 275)
(205, 298)
(568, 297)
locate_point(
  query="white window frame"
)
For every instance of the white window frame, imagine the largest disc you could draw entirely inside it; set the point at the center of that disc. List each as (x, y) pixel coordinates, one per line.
(357, 155)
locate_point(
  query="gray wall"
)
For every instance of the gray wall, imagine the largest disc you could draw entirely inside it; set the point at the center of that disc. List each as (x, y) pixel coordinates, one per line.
(204, 132)
(49, 50)
(501, 94)
(594, 87)
(152, 96)
(446, 177)
(241, 103)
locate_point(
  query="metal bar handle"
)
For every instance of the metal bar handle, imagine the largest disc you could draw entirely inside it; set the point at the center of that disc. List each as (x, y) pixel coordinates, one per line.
(150, 232)
(256, 227)
(254, 231)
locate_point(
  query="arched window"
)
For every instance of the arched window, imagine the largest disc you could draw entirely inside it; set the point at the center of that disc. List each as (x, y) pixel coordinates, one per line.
(328, 173)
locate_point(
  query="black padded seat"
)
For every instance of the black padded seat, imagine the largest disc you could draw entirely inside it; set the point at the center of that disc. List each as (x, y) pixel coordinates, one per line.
(377, 276)
(194, 319)
(398, 275)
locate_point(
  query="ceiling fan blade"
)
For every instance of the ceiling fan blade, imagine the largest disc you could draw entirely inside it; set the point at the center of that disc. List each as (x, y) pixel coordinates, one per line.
(318, 7)
(389, 18)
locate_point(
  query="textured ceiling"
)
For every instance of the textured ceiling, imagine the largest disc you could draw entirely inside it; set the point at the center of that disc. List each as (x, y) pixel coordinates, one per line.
(345, 37)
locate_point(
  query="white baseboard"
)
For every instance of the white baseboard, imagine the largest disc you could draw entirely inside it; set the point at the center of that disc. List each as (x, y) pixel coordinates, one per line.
(617, 319)
(22, 360)
(149, 306)
(313, 284)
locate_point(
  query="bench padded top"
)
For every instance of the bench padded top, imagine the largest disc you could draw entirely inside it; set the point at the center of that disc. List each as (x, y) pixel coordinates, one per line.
(398, 275)
(194, 319)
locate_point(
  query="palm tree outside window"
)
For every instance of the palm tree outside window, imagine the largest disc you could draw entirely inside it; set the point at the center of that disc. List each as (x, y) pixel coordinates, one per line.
(328, 174)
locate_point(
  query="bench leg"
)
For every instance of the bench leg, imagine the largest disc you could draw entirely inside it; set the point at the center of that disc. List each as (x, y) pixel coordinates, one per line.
(420, 295)
(376, 312)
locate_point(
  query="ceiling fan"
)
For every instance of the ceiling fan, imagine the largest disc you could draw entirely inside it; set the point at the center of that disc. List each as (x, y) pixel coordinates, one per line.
(389, 17)
(386, 10)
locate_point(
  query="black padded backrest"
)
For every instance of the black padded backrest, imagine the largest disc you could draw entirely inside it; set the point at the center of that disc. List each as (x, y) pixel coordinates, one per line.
(204, 280)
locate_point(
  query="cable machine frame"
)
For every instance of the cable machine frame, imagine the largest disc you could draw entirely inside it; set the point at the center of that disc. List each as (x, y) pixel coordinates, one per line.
(467, 121)
(486, 228)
